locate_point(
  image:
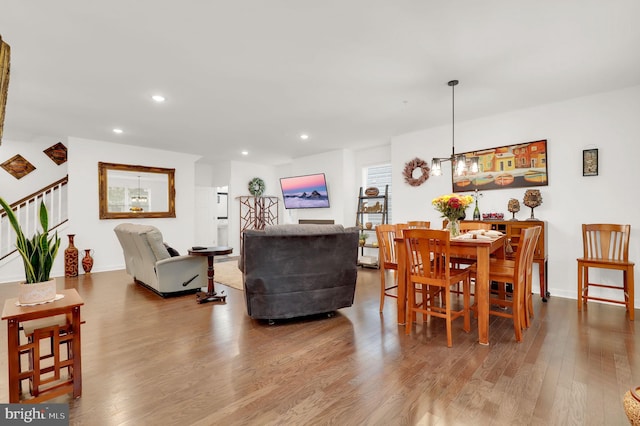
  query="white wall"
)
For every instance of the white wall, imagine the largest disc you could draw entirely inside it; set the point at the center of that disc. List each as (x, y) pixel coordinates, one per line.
(205, 232)
(46, 171)
(240, 175)
(92, 232)
(12, 190)
(342, 186)
(607, 121)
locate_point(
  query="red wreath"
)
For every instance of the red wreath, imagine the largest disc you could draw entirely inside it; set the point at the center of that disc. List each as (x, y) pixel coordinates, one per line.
(410, 166)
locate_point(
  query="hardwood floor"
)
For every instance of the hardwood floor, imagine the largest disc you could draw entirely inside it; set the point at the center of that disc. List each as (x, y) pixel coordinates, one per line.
(153, 361)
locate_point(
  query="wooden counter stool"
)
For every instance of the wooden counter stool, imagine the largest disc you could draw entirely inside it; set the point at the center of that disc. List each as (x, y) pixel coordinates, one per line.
(57, 324)
(606, 246)
(57, 330)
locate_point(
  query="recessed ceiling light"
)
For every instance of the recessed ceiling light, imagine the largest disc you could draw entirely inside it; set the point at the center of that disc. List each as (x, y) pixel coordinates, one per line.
(118, 131)
(158, 98)
(304, 136)
(245, 152)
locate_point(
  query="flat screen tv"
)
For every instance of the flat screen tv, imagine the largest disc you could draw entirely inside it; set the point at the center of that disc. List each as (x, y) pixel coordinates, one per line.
(305, 192)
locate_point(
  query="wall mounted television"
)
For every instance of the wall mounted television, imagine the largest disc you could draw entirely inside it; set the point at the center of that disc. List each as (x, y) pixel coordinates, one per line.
(305, 192)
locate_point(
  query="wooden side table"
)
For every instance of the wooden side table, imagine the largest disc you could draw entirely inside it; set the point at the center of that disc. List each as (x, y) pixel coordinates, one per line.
(69, 306)
(210, 295)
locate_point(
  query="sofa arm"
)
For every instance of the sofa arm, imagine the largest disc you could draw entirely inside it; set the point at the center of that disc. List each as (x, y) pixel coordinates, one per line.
(181, 273)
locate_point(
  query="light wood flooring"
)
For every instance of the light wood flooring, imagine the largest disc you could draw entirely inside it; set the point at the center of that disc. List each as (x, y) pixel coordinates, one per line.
(153, 361)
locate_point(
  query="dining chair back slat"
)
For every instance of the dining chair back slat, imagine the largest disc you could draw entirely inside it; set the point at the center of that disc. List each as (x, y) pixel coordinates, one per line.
(418, 224)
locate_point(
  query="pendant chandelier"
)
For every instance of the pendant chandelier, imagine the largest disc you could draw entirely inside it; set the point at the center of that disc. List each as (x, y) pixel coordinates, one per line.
(458, 162)
(139, 198)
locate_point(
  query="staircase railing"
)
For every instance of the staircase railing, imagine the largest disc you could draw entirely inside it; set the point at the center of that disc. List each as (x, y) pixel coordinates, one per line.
(26, 209)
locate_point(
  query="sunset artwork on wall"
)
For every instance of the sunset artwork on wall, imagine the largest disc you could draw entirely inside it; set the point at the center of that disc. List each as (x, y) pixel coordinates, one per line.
(511, 166)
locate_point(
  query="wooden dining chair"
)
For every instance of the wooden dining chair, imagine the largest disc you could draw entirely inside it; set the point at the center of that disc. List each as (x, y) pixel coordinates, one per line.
(514, 272)
(388, 259)
(606, 246)
(419, 224)
(428, 279)
(528, 313)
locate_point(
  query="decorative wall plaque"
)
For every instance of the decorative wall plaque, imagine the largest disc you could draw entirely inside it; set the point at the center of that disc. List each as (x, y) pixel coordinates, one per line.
(18, 166)
(57, 153)
(590, 162)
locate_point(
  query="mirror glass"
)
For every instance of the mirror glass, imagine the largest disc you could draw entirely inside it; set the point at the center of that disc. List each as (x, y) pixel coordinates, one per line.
(128, 191)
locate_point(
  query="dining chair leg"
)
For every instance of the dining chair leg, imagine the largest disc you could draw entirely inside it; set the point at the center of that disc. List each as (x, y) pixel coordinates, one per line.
(580, 285)
(410, 303)
(585, 286)
(467, 302)
(631, 293)
(447, 295)
(382, 287)
(517, 320)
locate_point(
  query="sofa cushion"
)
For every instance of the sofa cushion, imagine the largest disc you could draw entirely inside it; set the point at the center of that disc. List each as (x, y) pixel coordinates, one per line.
(154, 238)
(307, 229)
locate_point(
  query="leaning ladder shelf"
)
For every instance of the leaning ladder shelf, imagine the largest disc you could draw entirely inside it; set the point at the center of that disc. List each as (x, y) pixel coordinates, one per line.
(379, 212)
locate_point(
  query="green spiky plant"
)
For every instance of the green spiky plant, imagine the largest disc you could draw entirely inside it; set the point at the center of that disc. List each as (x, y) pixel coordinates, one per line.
(40, 251)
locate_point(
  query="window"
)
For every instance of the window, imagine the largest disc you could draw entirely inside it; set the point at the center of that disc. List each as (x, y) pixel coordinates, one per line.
(379, 176)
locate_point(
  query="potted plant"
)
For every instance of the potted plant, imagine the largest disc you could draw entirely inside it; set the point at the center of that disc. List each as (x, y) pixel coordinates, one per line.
(38, 254)
(363, 238)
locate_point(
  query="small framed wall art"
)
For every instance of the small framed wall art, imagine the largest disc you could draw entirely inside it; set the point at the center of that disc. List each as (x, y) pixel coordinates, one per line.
(57, 153)
(18, 166)
(590, 162)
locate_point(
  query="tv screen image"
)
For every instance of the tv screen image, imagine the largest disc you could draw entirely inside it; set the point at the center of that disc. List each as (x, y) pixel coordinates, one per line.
(305, 192)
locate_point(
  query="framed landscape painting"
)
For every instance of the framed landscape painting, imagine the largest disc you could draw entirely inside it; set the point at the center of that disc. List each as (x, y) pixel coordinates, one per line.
(511, 166)
(590, 162)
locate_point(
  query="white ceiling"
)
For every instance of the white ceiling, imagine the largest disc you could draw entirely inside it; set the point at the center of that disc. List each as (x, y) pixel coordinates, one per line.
(254, 74)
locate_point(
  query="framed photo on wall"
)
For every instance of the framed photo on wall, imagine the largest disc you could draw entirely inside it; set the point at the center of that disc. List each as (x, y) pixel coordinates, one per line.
(512, 166)
(590, 162)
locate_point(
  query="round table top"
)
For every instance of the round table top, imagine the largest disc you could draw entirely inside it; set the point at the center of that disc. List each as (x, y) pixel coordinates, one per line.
(210, 251)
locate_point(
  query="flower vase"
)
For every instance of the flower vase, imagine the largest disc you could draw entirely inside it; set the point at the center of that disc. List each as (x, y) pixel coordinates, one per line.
(631, 404)
(87, 261)
(71, 258)
(453, 227)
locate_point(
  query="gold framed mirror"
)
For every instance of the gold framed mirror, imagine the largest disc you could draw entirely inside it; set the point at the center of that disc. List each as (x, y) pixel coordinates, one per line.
(129, 191)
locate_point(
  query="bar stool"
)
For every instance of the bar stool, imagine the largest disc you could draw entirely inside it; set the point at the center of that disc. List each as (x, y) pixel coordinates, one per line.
(57, 330)
(606, 246)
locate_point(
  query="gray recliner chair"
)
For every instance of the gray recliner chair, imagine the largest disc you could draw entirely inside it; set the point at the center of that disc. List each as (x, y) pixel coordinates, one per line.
(148, 261)
(297, 270)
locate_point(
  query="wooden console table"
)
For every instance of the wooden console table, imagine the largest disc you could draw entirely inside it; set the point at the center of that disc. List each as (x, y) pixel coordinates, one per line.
(15, 315)
(512, 228)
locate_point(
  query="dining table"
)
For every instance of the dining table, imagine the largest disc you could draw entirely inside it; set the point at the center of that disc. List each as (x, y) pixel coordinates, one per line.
(481, 248)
